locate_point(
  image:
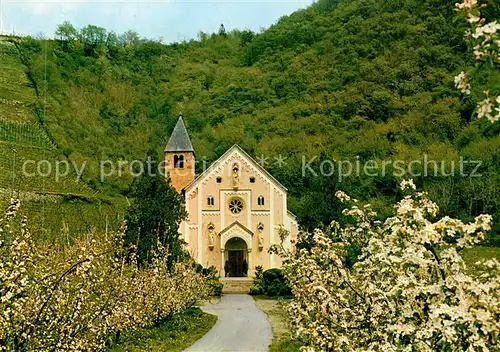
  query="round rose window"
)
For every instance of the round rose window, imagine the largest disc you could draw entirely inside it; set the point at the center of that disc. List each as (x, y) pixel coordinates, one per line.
(235, 206)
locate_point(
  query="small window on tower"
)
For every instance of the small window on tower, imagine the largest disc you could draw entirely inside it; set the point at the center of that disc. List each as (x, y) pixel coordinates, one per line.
(219, 179)
(252, 179)
(210, 200)
(260, 200)
(178, 161)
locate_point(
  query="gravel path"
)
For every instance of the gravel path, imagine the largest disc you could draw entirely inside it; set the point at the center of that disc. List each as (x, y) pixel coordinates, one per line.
(240, 326)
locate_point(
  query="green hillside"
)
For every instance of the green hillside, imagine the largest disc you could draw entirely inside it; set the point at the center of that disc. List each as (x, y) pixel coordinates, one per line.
(54, 205)
(371, 79)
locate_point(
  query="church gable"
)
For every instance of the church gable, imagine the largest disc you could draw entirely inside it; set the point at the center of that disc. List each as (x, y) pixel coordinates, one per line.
(236, 229)
(222, 171)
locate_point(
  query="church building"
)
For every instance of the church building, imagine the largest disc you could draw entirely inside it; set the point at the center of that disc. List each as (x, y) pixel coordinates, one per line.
(236, 209)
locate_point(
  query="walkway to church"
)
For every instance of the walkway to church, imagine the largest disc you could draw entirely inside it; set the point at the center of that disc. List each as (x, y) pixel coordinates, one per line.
(240, 326)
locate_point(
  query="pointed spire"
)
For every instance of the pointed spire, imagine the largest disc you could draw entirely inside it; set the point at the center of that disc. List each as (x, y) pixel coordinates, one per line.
(179, 139)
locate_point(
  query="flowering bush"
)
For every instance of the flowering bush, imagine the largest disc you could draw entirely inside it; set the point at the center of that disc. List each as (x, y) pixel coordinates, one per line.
(408, 289)
(81, 297)
(485, 41)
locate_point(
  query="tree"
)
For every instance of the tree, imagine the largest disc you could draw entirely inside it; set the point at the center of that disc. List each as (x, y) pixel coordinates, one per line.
(93, 35)
(112, 44)
(154, 216)
(94, 39)
(409, 289)
(129, 38)
(81, 295)
(222, 30)
(484, 39)
(66, 31)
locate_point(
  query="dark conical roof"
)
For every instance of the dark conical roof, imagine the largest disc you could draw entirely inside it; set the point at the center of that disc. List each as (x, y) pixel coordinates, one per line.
(179, 139)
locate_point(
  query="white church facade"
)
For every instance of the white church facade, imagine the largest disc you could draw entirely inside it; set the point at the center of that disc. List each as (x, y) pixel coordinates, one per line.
(236, 209)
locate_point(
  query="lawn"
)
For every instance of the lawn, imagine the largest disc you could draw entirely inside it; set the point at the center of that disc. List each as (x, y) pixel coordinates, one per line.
(476, 253)
(176, 334)
(283, 341)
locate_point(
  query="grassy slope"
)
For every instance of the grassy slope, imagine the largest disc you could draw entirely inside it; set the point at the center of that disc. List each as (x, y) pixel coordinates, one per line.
(282, 341)
(477, 253)
(22, 136)
(51, 204)
(174, 335)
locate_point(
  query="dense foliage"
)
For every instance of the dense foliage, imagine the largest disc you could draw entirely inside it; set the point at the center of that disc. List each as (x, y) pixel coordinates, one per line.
(270, 282)
(409, 289)
(154, 217)
(81, 297)
(366, 79)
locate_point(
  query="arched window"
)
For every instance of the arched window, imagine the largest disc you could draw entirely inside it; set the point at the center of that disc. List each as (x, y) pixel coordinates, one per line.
(210, 200)
(252, 179)
(219, 179)
(260, 200)
(178, 161)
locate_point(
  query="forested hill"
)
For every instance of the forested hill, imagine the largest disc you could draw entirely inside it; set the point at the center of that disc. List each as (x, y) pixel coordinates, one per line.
(341, 79)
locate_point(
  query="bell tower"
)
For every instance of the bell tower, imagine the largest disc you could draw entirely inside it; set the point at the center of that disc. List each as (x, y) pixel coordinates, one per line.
(179, 157)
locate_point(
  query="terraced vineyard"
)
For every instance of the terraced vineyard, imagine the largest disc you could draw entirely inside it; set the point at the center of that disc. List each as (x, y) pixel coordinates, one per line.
(57, 204)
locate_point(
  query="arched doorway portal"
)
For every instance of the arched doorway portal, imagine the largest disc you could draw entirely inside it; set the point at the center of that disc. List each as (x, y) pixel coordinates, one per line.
(236, 246)
(236, 251)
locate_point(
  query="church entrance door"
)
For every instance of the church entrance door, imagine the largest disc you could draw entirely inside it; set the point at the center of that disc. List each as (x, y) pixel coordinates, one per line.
(236, 255)
(236, 258)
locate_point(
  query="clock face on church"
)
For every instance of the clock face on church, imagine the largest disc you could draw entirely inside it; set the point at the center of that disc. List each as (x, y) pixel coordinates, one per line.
(235, 206)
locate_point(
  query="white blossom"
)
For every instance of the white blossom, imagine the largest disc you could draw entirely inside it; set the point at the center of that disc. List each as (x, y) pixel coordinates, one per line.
(484, 108)
(462, 83)
(485, 38)
(77, 297)
(409, 289)
(408, 184)
(467, 4)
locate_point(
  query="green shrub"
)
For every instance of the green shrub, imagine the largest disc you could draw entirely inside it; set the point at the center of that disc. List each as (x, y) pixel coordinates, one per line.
(270, 282)
(275, 283)
(255, 290)
(258, 282)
